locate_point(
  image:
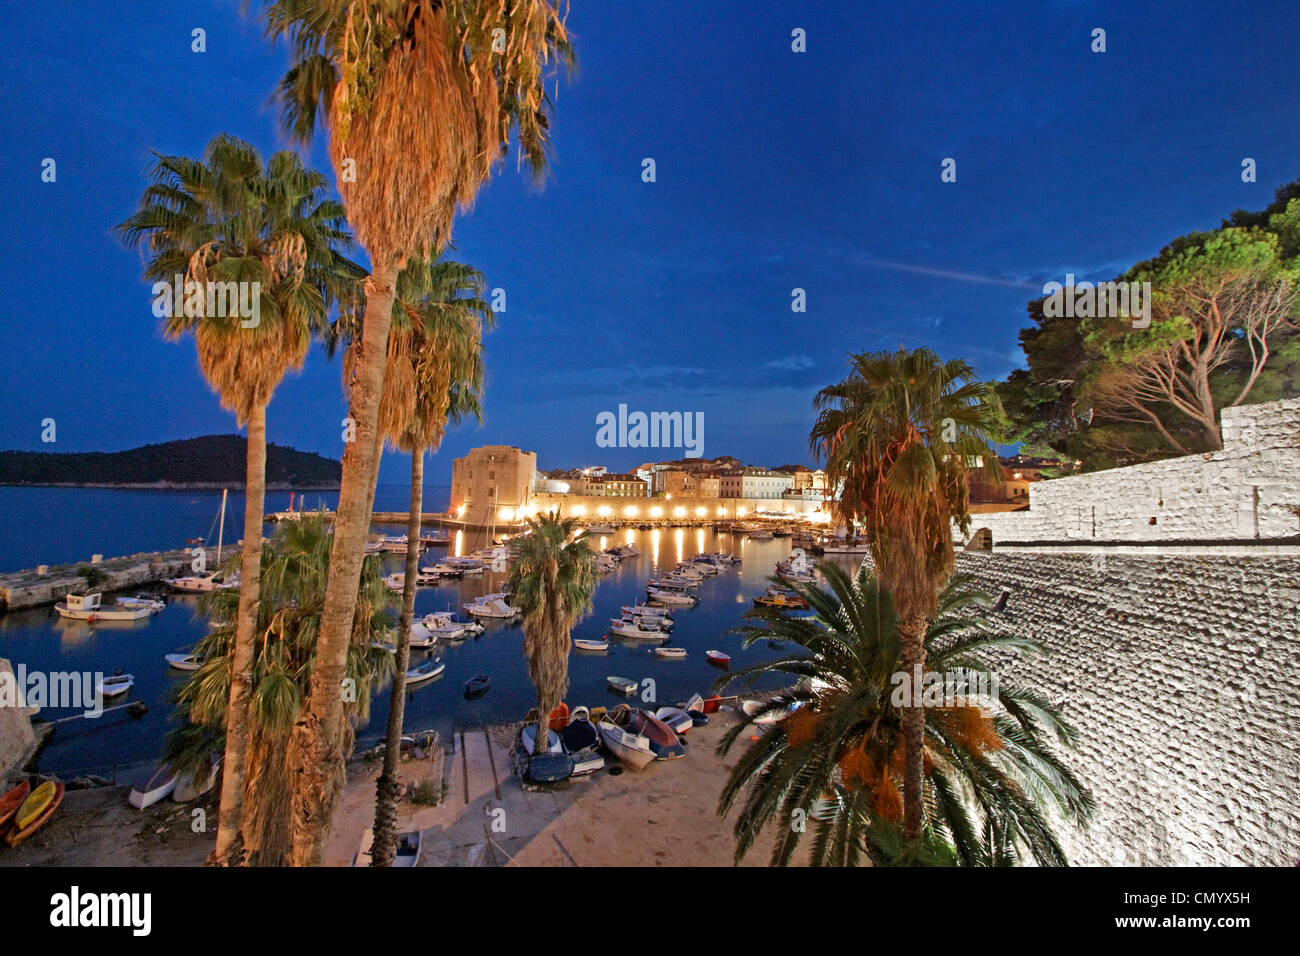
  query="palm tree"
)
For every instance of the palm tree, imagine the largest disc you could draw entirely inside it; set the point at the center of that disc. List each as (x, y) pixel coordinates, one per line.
(551, 584)
(295, 565)
(898, 436)
(227, 218)
(421, 99)
(991, 761)
(441, 344)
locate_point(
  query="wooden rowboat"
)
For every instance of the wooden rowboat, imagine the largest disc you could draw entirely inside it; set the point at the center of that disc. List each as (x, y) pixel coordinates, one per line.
(35, 811)
(12, 800)
(717, 657)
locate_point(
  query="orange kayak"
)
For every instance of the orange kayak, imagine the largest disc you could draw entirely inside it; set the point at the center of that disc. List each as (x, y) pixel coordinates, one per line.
(12, 800)
(558, 719)
(35, 811)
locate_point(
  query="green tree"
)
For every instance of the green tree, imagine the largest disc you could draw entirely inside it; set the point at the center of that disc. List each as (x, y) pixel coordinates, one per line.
(992, 762)
(899, 436)
(228, 218)
(420, 99)
(295, 566)
(551, 584)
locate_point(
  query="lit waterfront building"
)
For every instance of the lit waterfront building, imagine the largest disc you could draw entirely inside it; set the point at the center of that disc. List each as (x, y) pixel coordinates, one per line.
(492, 484)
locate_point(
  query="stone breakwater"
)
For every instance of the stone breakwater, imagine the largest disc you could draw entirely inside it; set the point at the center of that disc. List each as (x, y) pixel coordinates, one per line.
(30, 588)
(1179, 674)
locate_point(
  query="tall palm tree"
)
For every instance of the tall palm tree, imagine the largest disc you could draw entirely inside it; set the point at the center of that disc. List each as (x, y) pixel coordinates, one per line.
(295, 565)
(899, 436)
(445, 315)
(551, 584)
(227, 218)
(992, 764)
(421, 99)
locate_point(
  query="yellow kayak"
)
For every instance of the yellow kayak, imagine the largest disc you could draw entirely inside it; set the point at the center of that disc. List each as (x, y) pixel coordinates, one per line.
(34, 805)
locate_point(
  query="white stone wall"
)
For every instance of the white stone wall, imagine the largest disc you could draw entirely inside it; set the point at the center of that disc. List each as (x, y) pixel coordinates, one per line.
(17, 741)
(1179, 675)
(1244, 491)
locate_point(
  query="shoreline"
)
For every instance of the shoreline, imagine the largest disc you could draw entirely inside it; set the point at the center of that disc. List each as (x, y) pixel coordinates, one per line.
(168, 485)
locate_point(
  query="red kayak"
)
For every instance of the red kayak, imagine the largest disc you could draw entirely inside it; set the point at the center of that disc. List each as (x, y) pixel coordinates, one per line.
(12, 800)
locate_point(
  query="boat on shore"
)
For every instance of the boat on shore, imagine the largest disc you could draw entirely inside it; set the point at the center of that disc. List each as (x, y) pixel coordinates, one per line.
(12, 800)
(35, 811)
(152, 785)
(632, 749)
(664, 743)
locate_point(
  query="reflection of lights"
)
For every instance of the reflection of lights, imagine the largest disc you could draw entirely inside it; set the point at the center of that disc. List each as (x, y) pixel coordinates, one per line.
(630, 511)
(680, 536)
(460, 544)
(604, 511)
(679, 512)
(656, 512)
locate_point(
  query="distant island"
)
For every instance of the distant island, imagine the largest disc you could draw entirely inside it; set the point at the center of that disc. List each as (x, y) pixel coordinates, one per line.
(213, 461)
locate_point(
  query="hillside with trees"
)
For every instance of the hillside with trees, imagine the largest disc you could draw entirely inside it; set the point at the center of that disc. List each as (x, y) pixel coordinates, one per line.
(213, 460)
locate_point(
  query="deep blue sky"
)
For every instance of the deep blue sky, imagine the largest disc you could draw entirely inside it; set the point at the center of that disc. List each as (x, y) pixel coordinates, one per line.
(776, 170)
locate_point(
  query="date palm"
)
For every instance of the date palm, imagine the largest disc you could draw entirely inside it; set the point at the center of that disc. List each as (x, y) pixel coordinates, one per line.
(421, 98)
(992, 761)
(229, 218)
(295, 566)
(551, 584)
(899, 436)
(435, 376)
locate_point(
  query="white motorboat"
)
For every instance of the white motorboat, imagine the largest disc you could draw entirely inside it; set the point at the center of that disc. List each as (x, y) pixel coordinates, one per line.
(491, 607)
(633, 630)
(114, 686)
(670, 598)
(184, 662)
(632, 749)
(670, 653)
(529, 737)
(426, 670)
(152, 785)
(197, 583)
(583, 644)
(443, 625)
(647, 610)
(90, 607)
(420, 636)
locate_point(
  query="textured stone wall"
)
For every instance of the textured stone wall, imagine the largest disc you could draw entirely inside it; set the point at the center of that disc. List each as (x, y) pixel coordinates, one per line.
(17, 741)
(1180, 675)
(1244, 491)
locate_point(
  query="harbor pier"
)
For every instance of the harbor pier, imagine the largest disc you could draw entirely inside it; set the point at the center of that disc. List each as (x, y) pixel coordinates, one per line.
(37, 586)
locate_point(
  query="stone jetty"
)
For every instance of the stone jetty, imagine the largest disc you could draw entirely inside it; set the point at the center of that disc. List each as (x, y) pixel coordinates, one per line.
(46, 585)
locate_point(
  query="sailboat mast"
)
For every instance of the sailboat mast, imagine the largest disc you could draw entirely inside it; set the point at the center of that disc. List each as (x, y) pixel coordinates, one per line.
(221, 530)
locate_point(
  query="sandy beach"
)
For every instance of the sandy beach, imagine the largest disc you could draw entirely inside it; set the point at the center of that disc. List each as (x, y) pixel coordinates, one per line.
(664, 815)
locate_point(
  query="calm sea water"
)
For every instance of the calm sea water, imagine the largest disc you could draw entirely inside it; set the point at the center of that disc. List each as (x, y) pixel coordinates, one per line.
(39, 639)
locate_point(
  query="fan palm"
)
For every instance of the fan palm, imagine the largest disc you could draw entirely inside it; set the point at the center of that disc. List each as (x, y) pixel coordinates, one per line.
(899, 435)
(551, 584)
(295, 567)
(228, 218)
(991, 751)
(421, 99)
(435, 376)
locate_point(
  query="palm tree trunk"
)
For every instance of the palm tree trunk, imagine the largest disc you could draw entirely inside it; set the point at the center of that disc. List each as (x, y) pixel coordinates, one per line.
(241, 668)
(385, 843)
(317, 743)
(912, 635)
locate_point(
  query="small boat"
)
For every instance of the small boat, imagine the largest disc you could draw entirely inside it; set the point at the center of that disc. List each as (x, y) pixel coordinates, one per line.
(197, 583)
(762, 713)
(780, 599)
(421, 636)
(12, 800)
(670, 598)
(550, 767)
(152, 785)
(425, 670)
(35, 811)
(386, 646)
(664, 743)
(443, 625)
(558, 719)
(670, 653)
(647, 610)
(676, 718)
(632, 749)
(587, 761)
(621, 685)
(582, 644)
(184, 662)
(718, 657)
(529, 738)
(409, 843)
(494, 607)
(634, 631)
(476, 685)
(89, 607)
(580, 734)
(600, 529)
(761, 534)
(196, 783)
(115, 685)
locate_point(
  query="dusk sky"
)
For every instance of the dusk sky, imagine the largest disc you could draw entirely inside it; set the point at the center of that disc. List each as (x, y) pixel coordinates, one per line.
(776, 170)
